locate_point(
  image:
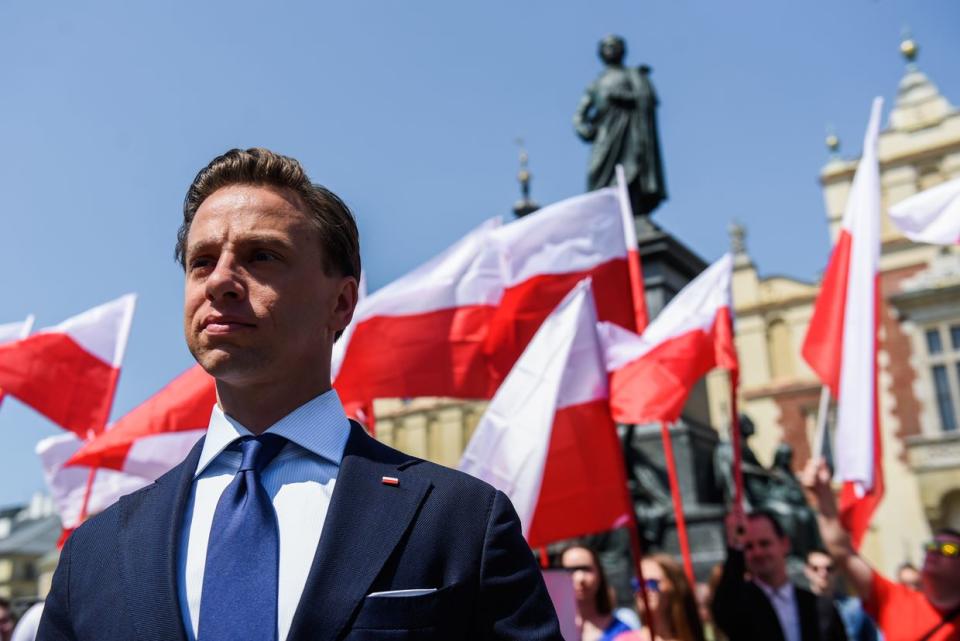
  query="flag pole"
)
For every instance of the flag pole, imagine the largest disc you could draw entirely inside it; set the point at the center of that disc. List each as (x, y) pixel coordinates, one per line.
(677, 502)
(820, 434)
(735, 443)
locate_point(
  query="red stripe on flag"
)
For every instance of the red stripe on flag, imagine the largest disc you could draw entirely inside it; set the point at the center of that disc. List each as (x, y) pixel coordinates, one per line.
(823, 345)
(437, 353)
(524, 307)
(57, 377)
(655, 386)
(184, 404)
(584, 488)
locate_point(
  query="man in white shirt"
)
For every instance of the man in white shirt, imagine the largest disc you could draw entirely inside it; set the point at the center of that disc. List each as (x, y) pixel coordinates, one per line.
(755, 598)
(287, 521)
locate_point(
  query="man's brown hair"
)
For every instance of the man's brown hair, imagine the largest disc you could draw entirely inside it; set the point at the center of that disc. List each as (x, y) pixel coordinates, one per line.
(339, 238)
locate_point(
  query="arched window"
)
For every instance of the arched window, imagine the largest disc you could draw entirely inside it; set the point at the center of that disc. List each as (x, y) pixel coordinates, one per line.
(780, 349)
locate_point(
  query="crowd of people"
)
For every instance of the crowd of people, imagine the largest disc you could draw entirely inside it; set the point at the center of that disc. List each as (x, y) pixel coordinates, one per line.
(751, 595)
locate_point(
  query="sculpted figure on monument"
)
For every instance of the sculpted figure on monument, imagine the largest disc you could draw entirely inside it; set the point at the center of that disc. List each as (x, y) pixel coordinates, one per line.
(755, 476)
(785, 498)
(617, 113)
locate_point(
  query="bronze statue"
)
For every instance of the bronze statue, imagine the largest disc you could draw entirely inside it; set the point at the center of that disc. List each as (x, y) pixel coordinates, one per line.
(785, 499)
(618, 115)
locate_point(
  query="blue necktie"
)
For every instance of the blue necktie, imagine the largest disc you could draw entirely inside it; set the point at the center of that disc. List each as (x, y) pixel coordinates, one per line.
(239, 597)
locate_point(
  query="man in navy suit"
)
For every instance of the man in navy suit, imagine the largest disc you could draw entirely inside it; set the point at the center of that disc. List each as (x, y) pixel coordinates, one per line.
(287, 521)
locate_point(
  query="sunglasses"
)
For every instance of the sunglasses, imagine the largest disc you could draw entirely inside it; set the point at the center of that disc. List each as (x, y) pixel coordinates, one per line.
(949, 549)
(652, 585)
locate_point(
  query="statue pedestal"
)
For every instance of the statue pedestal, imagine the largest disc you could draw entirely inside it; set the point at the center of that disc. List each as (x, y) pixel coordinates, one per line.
(693, 447)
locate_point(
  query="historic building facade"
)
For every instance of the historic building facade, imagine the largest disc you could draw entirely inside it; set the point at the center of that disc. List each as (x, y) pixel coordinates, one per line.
(919, 337)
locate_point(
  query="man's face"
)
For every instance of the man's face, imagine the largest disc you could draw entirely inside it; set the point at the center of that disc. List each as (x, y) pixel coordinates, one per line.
(258, 306)
(820, 572)
(940, 575)
(764, 552)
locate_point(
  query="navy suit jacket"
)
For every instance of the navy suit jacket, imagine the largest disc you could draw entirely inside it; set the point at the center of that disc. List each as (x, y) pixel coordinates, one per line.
(438, 528)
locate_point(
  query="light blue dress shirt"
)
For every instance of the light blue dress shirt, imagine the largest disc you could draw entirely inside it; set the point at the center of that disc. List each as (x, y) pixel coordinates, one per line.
(300, 483)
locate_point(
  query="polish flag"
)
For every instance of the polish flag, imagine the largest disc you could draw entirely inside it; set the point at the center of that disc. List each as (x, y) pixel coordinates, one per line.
(14, 331)
(932, 216)
(547, 439)
(158, 434)
(652, 374)
(841, 341)
(456, 325)
(68, 485)
(69, 372)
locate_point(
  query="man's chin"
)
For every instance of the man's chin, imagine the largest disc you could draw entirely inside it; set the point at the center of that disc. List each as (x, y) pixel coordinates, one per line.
(228, 366)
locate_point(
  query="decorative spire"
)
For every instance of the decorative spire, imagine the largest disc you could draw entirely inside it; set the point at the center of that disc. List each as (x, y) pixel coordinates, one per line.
(909, 47)
(832, 141)
(738, 237)
(524, 206)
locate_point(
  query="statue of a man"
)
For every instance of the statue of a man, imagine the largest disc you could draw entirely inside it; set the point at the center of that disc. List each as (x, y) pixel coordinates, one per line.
(618, 115)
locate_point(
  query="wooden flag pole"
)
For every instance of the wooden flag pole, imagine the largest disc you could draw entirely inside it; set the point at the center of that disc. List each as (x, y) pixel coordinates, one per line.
(677, 502)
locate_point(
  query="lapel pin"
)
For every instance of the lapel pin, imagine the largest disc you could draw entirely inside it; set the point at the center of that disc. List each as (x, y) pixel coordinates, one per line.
(390, 480)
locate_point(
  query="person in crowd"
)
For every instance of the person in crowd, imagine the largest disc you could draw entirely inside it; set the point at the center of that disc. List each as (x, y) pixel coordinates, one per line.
(6, 620)
(823, 578)
(908, 575)
(673, 608)
(902, 613)
(767, 605)
(594, 597)
(227, 545)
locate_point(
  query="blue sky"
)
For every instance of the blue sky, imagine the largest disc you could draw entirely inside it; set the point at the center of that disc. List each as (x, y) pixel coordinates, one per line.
(409, 111)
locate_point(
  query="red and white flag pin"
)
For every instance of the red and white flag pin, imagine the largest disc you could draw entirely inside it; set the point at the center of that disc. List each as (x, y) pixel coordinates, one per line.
(390, 480)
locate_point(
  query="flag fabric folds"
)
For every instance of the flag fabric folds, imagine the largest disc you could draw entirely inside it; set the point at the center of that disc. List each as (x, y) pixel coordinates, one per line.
(841, 341)
(547, 439)
(931, 216)
(69, 485)
(69, 372)
(10, 332)
(156, 435)
(456, 325)
(652, 374)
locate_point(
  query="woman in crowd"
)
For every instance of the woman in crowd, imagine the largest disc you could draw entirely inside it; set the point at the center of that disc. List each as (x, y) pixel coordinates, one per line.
(593, 595)
(673, 608)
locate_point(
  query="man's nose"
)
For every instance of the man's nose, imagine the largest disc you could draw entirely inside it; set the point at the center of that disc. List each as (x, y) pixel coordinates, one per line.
(225, 281)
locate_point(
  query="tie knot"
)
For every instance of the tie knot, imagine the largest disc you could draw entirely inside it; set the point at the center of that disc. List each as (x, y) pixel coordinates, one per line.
(258, 451)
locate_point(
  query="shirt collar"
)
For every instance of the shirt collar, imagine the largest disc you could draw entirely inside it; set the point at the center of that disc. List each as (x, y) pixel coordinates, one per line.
(320, 426)
(784, 592)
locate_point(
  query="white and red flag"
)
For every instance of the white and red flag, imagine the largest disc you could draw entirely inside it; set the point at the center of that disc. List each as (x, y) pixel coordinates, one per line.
(547, 439)
(157, 434)
(15, 331)
(75, 491)
(931, 216)
(456, 325)
(69, 372)
(652, 374)
(841, 341)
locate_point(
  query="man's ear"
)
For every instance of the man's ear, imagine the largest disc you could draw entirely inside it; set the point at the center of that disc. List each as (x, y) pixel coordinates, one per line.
(345, 304)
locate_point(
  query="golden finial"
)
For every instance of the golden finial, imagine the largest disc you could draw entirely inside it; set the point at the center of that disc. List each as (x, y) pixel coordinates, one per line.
(833, 142)
(908, 46)
(525, 205)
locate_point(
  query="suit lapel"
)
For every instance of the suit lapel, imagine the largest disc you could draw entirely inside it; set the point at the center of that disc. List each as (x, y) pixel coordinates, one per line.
(150, 526)
(807, 612)
(364, 523)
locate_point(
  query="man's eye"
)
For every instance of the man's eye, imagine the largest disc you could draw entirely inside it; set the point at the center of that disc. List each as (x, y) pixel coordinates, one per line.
(200, 263)
(264, 256)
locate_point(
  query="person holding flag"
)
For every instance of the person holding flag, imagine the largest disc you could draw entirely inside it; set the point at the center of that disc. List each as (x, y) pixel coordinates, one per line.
(902, 613)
